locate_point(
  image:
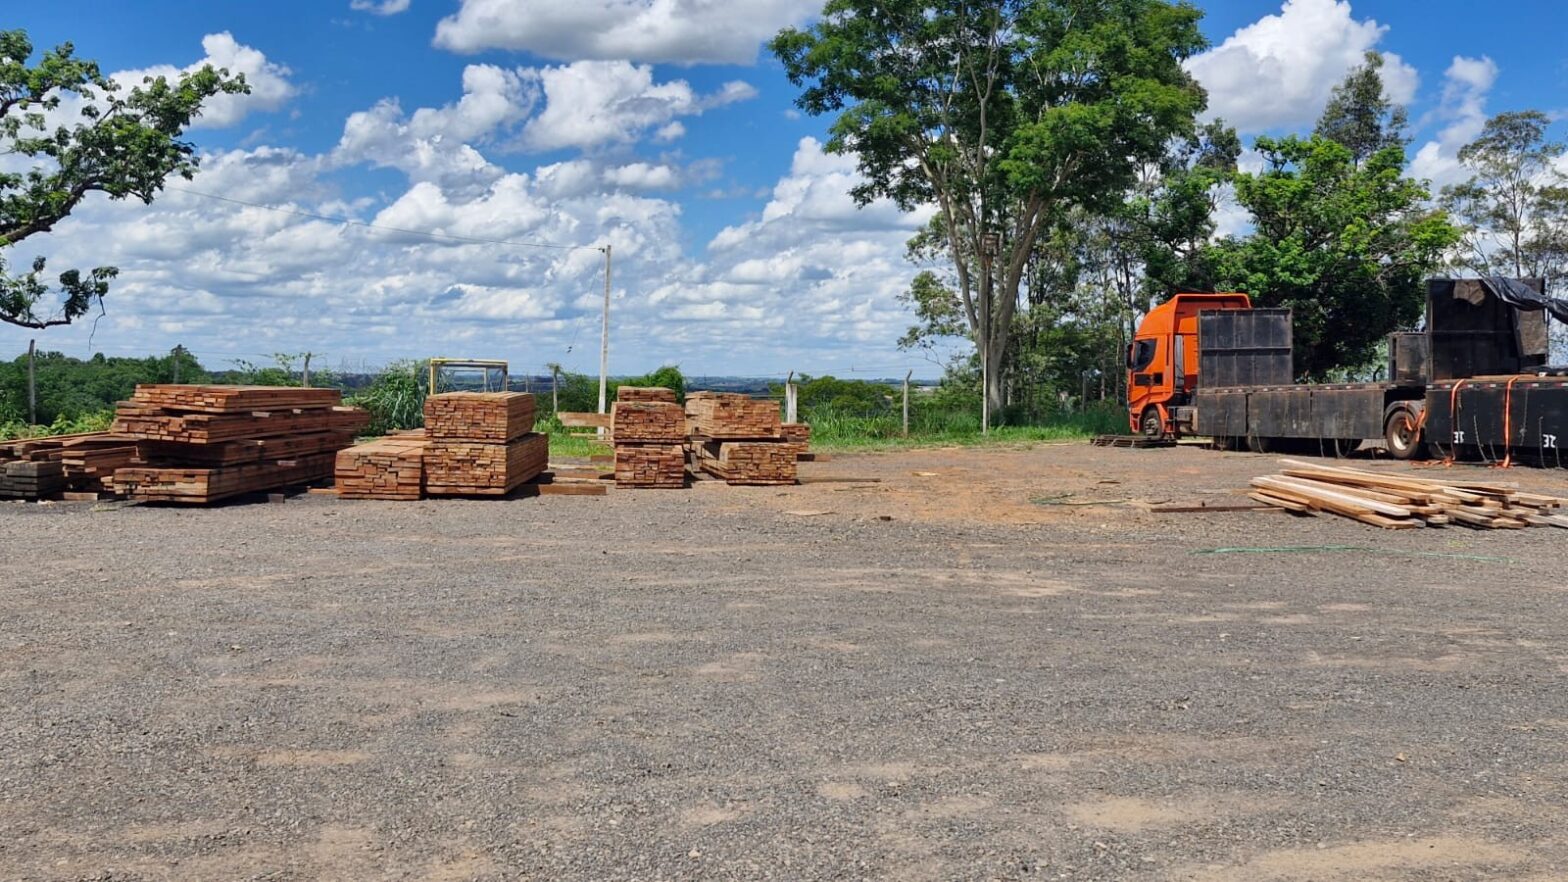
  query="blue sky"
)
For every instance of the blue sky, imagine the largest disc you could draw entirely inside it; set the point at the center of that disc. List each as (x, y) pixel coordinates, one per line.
(662, 128)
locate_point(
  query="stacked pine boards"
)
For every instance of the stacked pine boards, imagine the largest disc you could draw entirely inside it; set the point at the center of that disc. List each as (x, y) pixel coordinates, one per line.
(189, 444)
(648, 427)
(742, 440)
(473, 444)
(1402, 502)
(201, 444)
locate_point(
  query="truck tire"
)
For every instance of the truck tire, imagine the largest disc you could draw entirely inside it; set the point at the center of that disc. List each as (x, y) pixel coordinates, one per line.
(1151, 425)
(1402, 435)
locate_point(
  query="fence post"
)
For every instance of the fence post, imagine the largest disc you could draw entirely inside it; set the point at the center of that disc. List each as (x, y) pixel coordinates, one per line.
(32, 386)
(907, 402)
(791, 400)
(305, 372)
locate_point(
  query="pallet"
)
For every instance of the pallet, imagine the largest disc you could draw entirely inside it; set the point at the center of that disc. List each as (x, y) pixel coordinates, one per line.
(1140, 442)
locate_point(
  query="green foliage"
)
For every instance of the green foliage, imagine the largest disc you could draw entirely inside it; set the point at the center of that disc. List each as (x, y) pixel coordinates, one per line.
(580, 392)
(1005, 115)
(1514, 208)
(857, 396)
(1346, 247)
(933, 421)
(1360, 116)
(395, 398)
(62, 425)
(70, 388)
(122, 144)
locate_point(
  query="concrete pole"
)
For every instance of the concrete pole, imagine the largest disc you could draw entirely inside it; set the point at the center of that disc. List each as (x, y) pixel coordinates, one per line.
(906, 402)
(32, 385)
(604, 339)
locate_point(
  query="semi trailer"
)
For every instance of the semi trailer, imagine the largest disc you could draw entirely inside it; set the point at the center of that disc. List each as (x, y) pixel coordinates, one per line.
(1474, 383)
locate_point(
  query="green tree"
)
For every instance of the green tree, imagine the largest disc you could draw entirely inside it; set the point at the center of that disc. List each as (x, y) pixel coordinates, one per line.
(111, 141)
(1002, 114)
(1345, 247)
(1514, 208)
(1360, 116)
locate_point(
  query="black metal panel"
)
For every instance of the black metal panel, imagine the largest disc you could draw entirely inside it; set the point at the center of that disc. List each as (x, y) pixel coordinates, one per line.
(1221, 414)
(1537, 414)
(1244, 347)
(1348, 413)
(1474, 334)
(1282, 413)
(1409, 359)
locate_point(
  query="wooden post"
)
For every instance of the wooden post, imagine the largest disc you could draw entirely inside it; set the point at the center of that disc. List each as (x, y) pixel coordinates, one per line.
(32, 385)
(555, 388)
(176, 355)
(305, 373)
(791, 400)
(906, 402)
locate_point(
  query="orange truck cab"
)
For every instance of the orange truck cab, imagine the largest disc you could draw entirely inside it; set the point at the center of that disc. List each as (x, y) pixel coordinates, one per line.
(1162, 360)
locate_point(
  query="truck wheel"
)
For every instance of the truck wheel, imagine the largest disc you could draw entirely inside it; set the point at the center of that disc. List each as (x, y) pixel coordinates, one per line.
(1401, 435)
(1152, 425)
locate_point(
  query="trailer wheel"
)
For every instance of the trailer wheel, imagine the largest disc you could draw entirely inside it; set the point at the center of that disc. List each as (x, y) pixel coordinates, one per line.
(1402, 435)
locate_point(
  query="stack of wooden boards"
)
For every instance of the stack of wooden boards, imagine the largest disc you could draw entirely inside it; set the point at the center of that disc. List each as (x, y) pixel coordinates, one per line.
(200, 444)
(1403, 502)
(740, 439)
(648, 428)
(86, 462)
(386, 468)
(482, 443)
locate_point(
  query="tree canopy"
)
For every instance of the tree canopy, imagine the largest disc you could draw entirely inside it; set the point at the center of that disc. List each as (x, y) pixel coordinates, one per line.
(84, 134)
(1514, 207)
(1360, 115)
(1002, 114)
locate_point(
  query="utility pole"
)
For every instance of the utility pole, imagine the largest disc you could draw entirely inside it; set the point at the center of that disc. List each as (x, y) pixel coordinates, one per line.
(990, 244)
(604, 338)
(32, 386)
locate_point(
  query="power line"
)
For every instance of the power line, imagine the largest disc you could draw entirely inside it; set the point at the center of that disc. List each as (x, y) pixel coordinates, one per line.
(368, 225)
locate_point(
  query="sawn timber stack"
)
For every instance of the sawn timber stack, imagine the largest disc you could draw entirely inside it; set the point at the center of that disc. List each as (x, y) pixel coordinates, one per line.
(482, 443)
(741, 439)
(386, 468)
(201, 444)
(649, 432)
(727, 416)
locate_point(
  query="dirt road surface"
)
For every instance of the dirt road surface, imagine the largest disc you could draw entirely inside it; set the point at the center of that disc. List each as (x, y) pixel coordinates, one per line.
(989, 665)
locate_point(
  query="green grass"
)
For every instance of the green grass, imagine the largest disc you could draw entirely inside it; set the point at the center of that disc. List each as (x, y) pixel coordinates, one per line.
(561, 445)
(835, 431)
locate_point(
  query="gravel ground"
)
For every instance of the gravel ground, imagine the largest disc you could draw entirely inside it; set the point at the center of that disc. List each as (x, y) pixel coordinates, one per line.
(752, 683)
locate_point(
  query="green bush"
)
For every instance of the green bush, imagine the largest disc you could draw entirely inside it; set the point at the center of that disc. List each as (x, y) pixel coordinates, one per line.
(395, 398)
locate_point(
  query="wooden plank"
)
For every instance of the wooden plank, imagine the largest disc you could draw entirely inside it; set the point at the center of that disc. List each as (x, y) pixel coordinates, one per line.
(493, 417)
(573, 420)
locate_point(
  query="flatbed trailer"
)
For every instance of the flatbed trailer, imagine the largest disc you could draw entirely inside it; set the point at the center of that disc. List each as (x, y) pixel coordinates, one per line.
(1472, 385)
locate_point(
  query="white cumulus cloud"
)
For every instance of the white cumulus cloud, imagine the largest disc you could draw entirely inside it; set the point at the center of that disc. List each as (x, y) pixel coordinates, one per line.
(592, 103)
(1280, 70)
(380, 7)
(270, 87)
(1466, 84)
(673, 31)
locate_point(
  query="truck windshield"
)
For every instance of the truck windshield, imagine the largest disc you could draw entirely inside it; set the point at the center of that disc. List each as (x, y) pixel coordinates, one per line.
(1141, 355)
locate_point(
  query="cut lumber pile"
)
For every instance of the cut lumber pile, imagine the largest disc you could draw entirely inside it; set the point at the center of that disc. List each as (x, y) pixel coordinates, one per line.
(203, 485)
(89, 459)
(473, 468)
(724, 416)
(1402, 502)
(482, 443)
(496, 417)
(201, 444)
(798, 435)
(650, 465)
(386, 468)
(662, 422)
(754, 462)
(232, 399)
(645, 393)
(32, 480)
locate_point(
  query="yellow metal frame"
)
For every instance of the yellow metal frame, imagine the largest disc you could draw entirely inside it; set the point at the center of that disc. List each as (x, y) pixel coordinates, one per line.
(436, 364)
